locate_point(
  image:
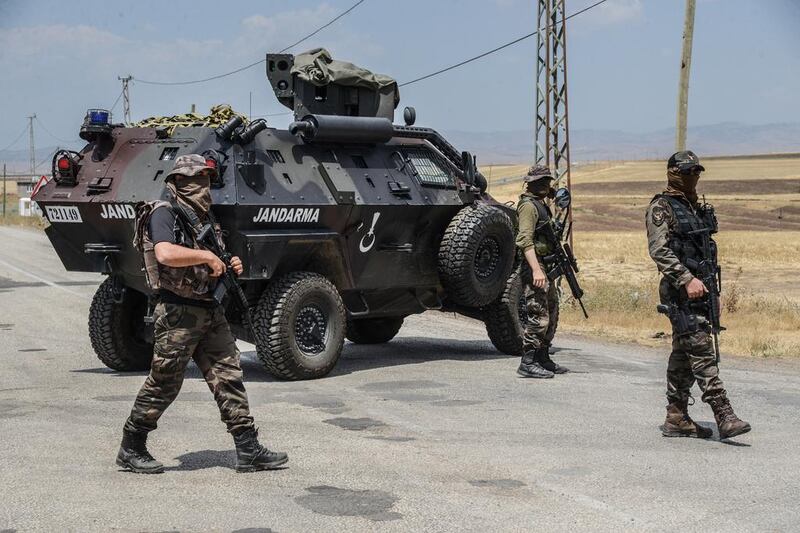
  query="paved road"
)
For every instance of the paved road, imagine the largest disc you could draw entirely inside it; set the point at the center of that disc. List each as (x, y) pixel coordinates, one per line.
(431, 432)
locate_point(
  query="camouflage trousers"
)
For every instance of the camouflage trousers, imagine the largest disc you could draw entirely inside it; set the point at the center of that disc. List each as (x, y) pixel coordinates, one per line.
(541, 322)
(184, 332)
(692, 359)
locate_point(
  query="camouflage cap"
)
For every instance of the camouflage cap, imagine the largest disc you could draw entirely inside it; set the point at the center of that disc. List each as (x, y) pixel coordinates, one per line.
(685, 161)
(191, 165)
(537, 172)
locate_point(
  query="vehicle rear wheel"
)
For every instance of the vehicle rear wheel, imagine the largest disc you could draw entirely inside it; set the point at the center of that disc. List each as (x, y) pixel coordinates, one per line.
(476, 255)
(373, 330)
(299, 326)
(116, 328)
(505, 317)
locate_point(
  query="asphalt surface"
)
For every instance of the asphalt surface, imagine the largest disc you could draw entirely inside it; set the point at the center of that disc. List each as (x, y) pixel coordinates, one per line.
(430, 432)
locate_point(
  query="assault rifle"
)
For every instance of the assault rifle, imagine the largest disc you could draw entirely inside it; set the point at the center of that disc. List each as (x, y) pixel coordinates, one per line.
(562, 262)
(227, 281)
(206, 235)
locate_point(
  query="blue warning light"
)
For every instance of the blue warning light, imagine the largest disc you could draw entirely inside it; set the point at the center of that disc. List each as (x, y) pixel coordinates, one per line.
(98, 116)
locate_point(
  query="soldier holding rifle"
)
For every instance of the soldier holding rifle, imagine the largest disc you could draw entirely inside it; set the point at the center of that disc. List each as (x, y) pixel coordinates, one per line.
(190, 323)
(540, 245)
(679, 232)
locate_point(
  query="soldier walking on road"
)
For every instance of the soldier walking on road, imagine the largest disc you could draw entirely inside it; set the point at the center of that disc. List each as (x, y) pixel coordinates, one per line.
(189, 324)
(674, 221)
(541, 297)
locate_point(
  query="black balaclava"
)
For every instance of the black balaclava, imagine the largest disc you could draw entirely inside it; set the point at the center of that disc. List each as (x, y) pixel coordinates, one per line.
(540, 188)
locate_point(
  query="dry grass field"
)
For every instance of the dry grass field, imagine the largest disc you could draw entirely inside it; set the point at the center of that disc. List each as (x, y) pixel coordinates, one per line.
(758, 205)
(12, 217)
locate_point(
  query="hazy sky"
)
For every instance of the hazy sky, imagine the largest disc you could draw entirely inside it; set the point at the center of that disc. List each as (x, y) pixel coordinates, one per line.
(58, 58)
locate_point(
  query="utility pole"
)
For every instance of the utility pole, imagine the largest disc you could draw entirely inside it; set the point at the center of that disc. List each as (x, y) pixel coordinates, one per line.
(4, 190)
(552, 121)
(126, 97)
(32, 145)
(683, 85)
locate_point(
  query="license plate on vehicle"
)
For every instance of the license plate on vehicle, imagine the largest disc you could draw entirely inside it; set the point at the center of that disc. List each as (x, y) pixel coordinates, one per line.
(63, 213)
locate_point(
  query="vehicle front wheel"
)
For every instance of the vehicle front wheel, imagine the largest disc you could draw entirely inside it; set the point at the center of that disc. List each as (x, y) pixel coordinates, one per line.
(116, 327)
(299, 326)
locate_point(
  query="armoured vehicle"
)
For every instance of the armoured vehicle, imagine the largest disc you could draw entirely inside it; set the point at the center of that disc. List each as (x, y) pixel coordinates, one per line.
(346, 223)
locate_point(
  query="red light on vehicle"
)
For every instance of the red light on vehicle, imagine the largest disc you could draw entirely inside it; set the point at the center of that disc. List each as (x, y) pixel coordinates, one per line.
(211, 163)
(64, 163)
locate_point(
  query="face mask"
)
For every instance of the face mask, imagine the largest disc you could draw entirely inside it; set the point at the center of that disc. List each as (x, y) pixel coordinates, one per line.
(685, 184)
(540, 188)
(192, 191)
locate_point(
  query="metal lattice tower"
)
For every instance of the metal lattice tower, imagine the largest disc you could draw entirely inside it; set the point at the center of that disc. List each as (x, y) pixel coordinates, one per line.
(552, 120)
(126, 98)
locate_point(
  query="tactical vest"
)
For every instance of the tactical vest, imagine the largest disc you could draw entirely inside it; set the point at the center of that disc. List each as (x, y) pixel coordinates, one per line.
(192, 282)
(545, 217)
(681, 241)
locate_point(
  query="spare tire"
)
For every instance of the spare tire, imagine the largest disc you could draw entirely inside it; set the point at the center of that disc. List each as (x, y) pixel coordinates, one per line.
(476, 255)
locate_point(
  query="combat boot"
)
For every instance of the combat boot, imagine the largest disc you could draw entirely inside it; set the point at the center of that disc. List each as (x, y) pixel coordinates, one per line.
(133, 454)
(543, 358)
(728, 423)
(680, 424)
(252, 456)
(530, 368)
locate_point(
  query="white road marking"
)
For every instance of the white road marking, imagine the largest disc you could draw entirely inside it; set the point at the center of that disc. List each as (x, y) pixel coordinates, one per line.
(42, 280)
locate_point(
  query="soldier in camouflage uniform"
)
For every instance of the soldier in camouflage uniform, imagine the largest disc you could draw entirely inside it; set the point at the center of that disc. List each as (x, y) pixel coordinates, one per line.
(670, 217)
(541, 297)
(189, 324)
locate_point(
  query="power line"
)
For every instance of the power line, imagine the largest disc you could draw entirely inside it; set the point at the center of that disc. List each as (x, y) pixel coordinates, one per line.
(59, 139)
(313, 33)
(113, 107)
(260, 61)
(493, 50)
(274, 114)
(15, 141)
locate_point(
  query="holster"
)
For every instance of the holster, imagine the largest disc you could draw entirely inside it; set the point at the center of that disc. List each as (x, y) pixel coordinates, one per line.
(685, 318)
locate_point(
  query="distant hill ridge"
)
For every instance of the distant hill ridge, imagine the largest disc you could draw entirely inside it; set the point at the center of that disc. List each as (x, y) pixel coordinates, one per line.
(727, 138)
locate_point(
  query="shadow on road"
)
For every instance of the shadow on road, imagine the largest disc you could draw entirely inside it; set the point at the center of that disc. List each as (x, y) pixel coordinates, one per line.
(361, 357)
(400, 351)
(205, 459)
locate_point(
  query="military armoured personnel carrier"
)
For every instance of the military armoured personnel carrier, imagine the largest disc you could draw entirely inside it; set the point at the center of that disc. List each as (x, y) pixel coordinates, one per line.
(346, 223)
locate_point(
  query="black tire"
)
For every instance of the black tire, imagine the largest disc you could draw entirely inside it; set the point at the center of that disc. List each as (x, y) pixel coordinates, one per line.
(505, 317)
(288, 351)
(116, 330)
(476, 255)
(373, 330)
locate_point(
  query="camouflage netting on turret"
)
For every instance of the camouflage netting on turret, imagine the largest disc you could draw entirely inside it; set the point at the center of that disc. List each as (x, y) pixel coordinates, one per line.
(219, 115)
(318, 67)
